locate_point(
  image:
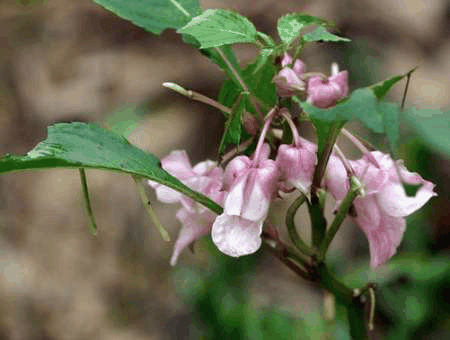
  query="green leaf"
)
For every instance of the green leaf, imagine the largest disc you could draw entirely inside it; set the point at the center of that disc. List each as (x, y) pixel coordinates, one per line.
(258, 76)
(290, 25)
(154, 15)
(321, 34)
(391, 122)
(380, 117)
(362, 105)
(233, 125)
(433, 125)
(382, 88)
(80, 145)
(218, 27)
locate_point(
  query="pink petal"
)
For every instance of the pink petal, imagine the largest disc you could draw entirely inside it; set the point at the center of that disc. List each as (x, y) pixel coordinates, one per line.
(288, 83)
(297, 164)
(236, 236)
(167, 195)
(341, 80)
(177, 164)
(299, 68)
(194, 227)
(286, 60)
(384, 241)
(236, 168)
(336, 178)
(374, 179)
(394, 201)
(368, 214)
(202, 168)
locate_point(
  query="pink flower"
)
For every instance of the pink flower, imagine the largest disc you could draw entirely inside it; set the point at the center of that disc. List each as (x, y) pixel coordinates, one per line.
(251, 185)
(326, 94)
(381, 212)
(195, 224)
(289, 80)
(297, 163)
(205, 178)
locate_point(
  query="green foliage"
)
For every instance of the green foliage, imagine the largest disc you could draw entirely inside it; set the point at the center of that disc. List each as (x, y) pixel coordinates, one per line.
(80, 145)
(433, 126)
(406, 292)
(218, 27)
(363, 105)
(382, 88)
(290, 25)
(233, 125)
(258, 76)
(154, 15)
(321, 34)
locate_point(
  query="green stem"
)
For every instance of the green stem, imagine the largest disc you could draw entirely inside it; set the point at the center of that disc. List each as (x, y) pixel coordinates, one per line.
(148, 207)
(84, 188)
(318, 221)
(292, 230)
(232, 69)
(324, 156)
(372, 308)
(355, 189)
(282, 255)
(333, 285)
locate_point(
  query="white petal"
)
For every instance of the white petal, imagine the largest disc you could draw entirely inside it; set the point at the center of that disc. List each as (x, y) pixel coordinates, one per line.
(236, 236)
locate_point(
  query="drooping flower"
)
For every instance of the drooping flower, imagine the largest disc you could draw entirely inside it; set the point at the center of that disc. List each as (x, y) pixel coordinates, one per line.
(297, 161)
(289, 81)
(381, 212)
(251, 184)
(206, 178)
(325, 94)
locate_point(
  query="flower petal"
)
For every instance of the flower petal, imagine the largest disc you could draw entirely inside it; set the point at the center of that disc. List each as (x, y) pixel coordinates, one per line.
(384, 241)
(368, 214)
(236, 236)
(177, 164)
(194, 226)
(394, 201)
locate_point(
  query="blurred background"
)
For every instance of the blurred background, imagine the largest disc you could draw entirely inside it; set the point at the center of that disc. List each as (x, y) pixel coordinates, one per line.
(67, 60)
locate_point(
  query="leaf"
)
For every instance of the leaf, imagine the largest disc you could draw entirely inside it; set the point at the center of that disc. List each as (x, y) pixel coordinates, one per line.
(290, 25)
(218, 27)
(154, 15)
(391, 122)
(362, 105)
(321, 34)
(258, 76)
(233, 125)
(433, 125)
(382, 88)
(80, 145)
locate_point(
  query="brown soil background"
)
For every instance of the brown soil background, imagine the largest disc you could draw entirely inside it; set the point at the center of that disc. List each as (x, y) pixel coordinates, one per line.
(65, 60)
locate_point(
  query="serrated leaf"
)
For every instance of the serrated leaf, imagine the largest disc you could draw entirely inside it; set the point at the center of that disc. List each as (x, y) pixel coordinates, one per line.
(433, 125)
(154, 15)
(80, 145)
(290, 25)
(218, 27)
(382, 88)
(233, 125)
(321, 34)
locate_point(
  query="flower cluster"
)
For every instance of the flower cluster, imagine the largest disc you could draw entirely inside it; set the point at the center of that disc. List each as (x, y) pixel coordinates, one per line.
(248, 184)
